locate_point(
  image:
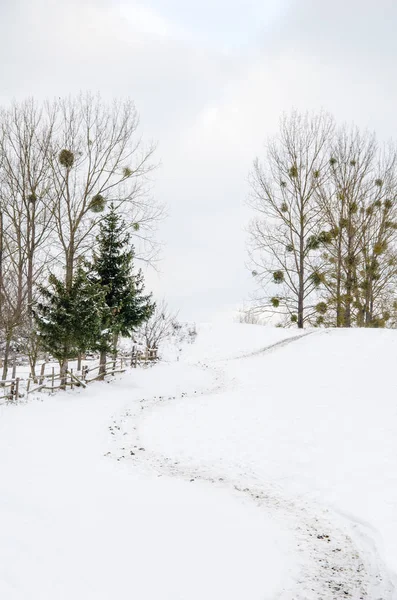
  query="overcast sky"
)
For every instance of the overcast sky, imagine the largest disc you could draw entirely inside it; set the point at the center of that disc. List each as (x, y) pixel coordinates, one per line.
(210, 79)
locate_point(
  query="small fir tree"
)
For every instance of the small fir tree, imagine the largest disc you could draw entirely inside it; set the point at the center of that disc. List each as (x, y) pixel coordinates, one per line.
(69, 319)
(112, 268)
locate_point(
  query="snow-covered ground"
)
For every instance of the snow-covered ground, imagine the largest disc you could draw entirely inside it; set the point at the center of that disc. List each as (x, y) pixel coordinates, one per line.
(258, 466)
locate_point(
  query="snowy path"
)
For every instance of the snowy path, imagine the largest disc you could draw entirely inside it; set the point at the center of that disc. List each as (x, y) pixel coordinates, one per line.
(337, 557)
(74, 524)
(242, 473)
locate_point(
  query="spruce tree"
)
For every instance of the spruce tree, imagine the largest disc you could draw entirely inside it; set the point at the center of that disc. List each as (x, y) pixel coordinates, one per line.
(69, 318)
(113, 269)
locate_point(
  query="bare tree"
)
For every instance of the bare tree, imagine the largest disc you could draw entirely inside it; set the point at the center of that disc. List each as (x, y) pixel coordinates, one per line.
(377, 277)
(25, 204)
(159, 327)
(249, 316)
(287, 215)
(359, 216)
(97, 157)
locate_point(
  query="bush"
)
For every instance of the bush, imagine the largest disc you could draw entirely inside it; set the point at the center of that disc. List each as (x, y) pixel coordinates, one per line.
(325, 237)
(317, 278)
(249, 317)
(275, 302)
(388, 204)
(278, 276)
(313, 242)
(97, 203)
(66, 158)
(321, 308)
(127, 172)
(380, 248)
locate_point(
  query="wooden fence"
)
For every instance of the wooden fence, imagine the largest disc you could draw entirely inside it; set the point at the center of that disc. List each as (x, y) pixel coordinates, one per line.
(143, 356)
(17, 387)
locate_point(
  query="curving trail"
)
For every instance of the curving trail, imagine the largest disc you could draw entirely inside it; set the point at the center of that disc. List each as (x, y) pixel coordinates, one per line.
(337, 557)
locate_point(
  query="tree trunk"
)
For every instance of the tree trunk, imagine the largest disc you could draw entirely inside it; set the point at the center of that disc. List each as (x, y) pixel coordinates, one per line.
(30, 289)
(31, 238)
(1, 265)
(79, 359)
(349, 276)
(63, 373)
(69, 268)
(339, 307)
(369, 295)
(347, 318)
(301, 290)
(300, 310)
(102, 365)
(115, 339)
(32, 364)
(6, 357)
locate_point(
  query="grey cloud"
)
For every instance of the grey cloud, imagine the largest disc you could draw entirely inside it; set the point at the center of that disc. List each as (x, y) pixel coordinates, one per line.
(210, 110)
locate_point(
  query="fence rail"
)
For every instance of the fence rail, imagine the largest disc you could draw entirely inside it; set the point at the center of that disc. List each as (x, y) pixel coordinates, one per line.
(17, 387)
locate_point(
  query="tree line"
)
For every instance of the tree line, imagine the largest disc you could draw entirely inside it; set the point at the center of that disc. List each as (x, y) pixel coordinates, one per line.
(74, 195)
(323, 242)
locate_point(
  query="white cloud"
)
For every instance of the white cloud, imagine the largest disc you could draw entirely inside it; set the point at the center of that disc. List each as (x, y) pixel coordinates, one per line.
(143, 19)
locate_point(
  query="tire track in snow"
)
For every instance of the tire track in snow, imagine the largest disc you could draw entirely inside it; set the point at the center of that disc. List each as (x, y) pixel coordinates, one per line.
(337, 559)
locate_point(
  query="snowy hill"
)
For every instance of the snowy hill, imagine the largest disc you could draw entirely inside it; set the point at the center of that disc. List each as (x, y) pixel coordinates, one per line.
(260, 465)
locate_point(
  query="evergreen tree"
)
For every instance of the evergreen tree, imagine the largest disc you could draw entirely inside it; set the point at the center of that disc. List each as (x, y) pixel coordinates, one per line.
(113, 269)
(69, 319)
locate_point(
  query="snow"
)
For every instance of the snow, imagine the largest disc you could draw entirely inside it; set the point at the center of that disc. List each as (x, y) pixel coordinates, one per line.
(77, 524)
(217, 341)
(315, 419)
(258, 465)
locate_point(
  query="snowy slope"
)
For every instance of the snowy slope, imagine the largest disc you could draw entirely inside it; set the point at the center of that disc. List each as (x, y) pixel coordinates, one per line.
(258, 466)
(316, 419)
(218, 341)
(76, 523)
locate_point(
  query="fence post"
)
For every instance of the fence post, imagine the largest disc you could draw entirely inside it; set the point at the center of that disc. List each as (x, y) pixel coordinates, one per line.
(12, 389)
(71, 379)
(52, 380)
(14, 369)
(17, 389)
